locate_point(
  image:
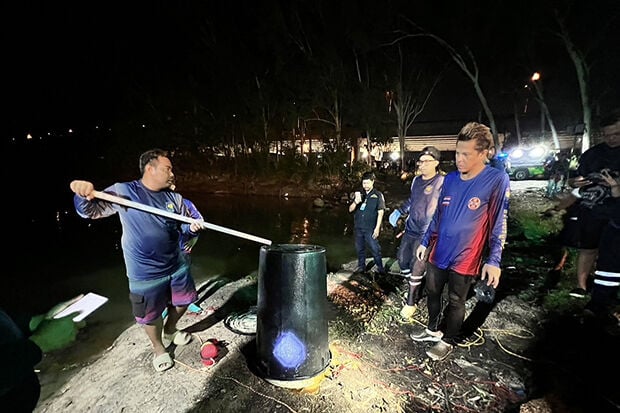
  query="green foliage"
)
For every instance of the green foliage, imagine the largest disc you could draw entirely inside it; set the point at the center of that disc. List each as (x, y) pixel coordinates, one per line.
(531, 226)
(387, 315)
(354, 176)
(344, 327)
(559, 301)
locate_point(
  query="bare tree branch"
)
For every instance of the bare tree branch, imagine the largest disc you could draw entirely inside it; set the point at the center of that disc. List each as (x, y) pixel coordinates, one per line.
(471, 70)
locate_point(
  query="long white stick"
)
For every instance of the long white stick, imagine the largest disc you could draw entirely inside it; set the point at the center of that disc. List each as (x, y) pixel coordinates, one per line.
(189, 220)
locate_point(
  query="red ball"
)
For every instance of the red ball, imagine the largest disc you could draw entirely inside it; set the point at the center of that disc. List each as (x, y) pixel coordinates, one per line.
(208, 350)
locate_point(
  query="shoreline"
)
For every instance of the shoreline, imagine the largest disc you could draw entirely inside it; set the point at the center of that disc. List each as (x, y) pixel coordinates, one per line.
(122, 376)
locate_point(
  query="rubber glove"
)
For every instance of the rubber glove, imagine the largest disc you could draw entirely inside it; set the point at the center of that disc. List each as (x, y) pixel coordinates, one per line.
(56, 333)
(394, 217)
(51, 333)
(408, 311)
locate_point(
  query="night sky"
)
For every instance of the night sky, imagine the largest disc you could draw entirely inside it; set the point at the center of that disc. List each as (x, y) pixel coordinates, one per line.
(86, 62)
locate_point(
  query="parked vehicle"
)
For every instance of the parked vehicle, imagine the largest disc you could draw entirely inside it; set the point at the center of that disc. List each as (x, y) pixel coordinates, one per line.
(528, 162)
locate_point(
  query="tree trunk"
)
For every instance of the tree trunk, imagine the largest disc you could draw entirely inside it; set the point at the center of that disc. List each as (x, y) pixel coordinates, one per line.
(487, 110)
(517, 125)
(545, 112)
(583, 77)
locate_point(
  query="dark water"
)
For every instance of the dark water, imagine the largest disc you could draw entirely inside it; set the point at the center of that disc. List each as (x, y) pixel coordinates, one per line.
(61, 255)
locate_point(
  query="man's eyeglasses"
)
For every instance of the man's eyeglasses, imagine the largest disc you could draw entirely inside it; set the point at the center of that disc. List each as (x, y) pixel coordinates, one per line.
(423, 161)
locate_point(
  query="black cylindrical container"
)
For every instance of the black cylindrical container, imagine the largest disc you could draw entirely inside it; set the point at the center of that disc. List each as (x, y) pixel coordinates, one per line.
(291, 324)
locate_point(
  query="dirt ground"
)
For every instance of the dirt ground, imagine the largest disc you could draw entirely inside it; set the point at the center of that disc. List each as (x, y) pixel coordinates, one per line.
(516, 355)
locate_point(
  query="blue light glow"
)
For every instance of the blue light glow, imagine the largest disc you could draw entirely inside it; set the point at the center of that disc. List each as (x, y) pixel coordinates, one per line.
(289, 350)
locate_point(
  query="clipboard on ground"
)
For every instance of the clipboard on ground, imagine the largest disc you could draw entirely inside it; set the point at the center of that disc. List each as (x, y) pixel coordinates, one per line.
(84, 306)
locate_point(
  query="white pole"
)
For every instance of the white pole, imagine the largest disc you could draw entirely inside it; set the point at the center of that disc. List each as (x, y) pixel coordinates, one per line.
(189, 220)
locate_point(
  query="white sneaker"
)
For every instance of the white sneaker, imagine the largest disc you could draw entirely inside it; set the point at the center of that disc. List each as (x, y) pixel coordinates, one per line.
(426, 335)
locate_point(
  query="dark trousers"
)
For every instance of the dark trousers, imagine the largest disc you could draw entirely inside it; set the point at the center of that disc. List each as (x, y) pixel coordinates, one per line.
(604, 294)
(363, 238)
(410, 266)
(454, 314)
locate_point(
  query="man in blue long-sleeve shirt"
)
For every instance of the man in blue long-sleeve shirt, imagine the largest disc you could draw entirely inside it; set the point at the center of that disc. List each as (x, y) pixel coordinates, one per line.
(157, 269)
(470, 221)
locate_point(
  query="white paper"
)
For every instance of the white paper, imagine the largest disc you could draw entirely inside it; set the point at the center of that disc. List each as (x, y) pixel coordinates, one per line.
(86, 305)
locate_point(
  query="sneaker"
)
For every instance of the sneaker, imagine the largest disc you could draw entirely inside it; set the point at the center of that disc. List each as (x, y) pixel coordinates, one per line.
(578, 293)
(440, 351)
(426, 335)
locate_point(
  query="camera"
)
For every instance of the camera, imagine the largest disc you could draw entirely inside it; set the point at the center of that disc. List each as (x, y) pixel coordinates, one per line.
(484, 292)
(597, 177)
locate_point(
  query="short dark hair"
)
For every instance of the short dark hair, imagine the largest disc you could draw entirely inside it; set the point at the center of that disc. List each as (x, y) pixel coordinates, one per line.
(480, 133)
(150, 156)
(368, 175)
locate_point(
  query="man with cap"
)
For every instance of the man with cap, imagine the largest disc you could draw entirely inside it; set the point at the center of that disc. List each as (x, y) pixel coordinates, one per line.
(420, 208)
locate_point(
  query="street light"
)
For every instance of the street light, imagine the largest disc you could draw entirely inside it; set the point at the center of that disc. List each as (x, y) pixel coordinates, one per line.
(537, 82)
(534, 78)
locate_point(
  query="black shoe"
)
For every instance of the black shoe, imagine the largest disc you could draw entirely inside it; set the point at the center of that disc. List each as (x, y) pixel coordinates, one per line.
(578, 293)
(440, 351)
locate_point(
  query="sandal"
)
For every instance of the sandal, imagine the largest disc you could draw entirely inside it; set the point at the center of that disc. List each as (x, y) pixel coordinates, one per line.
(179, 338)
(163, 362)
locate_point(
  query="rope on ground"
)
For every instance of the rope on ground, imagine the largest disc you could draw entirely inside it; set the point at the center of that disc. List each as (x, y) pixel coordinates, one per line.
(500, 332)
(478, 341)
(446, 394)
(479, 336)
(411, 320)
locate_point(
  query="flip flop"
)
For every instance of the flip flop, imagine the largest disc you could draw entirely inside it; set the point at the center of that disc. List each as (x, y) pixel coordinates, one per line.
(179, 338)
(163, 362)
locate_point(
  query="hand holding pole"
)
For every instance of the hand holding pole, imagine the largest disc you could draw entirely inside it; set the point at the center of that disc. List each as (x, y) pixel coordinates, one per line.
(189, 220)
